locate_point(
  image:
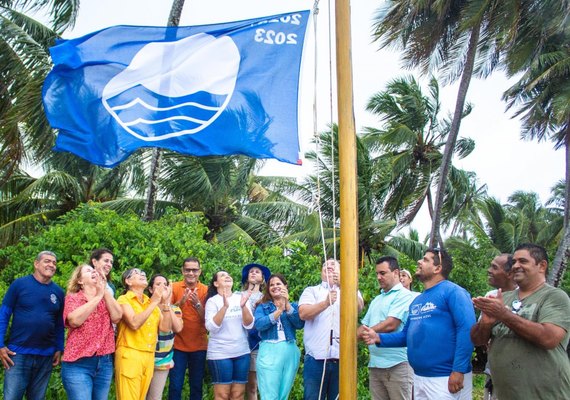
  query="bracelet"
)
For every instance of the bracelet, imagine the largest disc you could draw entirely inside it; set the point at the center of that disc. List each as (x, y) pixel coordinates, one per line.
(166, 308)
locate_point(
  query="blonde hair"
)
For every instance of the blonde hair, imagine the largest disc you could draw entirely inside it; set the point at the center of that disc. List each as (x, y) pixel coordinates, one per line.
(73, 286)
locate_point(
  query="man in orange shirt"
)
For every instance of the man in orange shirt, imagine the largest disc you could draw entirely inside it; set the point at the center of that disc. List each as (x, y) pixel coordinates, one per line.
(191, 343)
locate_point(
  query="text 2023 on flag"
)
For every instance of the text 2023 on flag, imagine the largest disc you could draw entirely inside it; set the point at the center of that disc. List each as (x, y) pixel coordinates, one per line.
(221, 89)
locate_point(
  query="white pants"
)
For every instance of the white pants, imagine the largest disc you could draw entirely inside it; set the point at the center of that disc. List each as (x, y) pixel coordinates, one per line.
(436, 388)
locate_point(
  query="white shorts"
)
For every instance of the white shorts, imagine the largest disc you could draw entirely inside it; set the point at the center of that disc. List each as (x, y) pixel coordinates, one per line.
(253, 360)
(436, 388)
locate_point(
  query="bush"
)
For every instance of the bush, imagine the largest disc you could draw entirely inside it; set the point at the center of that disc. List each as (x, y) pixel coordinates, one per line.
(158, 246)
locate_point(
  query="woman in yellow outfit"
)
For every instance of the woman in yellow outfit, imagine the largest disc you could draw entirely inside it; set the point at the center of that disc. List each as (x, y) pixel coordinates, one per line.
(137, 334)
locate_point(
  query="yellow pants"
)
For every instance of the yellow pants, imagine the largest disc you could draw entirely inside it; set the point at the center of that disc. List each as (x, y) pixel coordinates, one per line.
(133, 373)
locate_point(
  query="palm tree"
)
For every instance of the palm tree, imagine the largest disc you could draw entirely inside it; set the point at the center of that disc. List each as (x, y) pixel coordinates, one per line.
(173, 20)
(522, 219)
(495, 226)
(449, 35)
(235, 202)
(429, 32)
(409, 245)
(68, 181)
(460, 202)
(410, 143)
(534, 215)
(318, 191)
(542, 98)
(24, 42)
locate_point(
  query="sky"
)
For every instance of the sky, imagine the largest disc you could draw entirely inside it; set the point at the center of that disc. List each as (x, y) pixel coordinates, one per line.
(501, 159)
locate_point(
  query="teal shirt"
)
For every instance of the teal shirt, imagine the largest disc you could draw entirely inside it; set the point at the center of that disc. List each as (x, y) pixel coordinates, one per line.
(394, 303)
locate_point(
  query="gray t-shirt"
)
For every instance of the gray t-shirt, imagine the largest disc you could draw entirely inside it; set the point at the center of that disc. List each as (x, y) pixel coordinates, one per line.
(522, 370)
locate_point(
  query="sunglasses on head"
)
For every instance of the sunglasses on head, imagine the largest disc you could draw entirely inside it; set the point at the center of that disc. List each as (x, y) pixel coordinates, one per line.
(135, 271)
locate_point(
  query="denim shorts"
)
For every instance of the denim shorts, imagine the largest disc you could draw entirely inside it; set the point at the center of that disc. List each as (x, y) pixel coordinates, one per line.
(229, 370)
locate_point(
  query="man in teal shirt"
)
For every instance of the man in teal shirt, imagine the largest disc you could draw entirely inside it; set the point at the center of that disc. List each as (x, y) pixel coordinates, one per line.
(390, 374)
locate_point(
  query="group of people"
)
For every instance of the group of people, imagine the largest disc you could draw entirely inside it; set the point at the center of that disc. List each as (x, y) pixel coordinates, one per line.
(157, 331)
(425, 340)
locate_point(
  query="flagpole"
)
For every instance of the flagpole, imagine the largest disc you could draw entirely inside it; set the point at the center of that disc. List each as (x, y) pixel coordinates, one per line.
(348, 204)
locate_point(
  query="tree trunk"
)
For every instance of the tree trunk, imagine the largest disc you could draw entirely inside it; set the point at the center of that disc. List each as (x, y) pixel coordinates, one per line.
(173, 20)
(435, 234)
(560, 260)
(567, 182)
(563, 253)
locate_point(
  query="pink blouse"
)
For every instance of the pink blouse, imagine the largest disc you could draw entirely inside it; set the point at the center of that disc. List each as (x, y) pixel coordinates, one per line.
(95, 337)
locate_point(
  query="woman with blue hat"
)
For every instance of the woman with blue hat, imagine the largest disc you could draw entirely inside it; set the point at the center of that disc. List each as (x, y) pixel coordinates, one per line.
(254, 278)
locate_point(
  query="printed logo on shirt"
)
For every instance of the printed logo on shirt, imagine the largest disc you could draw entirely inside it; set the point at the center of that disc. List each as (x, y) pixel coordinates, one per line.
(233, 312)
(53, 298)
(429, 306)
(421, 310)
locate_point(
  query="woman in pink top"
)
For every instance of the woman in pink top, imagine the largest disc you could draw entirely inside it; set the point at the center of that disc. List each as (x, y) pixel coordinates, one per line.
(89, 314)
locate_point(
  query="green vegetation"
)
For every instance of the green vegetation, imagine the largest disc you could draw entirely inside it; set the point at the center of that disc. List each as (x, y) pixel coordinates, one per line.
(161, 246)
(219, 210)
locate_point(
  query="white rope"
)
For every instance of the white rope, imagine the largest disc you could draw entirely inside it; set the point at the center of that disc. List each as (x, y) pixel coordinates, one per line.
(331, 99)
(333, 184)
(315, 131)
(333, 181)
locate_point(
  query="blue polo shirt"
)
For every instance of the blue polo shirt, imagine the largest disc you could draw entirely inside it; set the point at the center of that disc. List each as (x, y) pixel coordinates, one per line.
(394, 303)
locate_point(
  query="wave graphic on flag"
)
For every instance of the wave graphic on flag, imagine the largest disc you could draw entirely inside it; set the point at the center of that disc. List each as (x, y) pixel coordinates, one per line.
(205, 90)
(167, 91)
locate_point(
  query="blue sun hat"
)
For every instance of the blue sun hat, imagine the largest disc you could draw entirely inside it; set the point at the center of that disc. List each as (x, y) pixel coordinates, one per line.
(264, 270)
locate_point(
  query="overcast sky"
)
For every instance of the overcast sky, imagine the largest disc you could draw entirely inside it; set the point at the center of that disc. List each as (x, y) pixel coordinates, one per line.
(501, 160)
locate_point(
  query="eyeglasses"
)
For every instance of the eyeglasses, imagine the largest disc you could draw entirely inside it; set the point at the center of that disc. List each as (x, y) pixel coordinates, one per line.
(135, 271)
(516, 306)
(191, 271)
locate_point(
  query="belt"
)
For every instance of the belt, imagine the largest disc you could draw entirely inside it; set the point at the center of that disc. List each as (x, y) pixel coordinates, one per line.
(330, 360)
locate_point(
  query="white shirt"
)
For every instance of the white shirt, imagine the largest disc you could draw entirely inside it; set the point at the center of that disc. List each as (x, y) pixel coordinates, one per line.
(229, 339)
(317, 332)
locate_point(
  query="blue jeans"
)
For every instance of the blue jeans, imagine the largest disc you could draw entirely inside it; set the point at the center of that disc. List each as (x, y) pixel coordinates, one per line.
(29, 375)
(230, 370)
(88, 378)
(313, 375)
(195, 361)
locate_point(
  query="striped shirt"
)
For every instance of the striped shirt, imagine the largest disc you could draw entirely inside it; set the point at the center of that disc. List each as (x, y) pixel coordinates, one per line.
(164, 346)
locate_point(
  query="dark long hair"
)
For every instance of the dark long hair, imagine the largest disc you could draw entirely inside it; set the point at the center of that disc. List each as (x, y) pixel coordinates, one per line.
(213, 290)
(266, 295)
(97, 254)
(151, 282)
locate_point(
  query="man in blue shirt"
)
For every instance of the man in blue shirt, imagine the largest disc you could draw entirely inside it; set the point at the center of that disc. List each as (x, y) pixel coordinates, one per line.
(35, 304)
(436, 333)
(390, 375)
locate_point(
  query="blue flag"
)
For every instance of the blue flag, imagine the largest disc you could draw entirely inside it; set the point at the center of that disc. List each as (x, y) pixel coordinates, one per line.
(220, 89)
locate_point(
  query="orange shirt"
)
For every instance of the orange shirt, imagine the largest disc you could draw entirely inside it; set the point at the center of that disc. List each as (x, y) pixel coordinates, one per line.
(193, 336)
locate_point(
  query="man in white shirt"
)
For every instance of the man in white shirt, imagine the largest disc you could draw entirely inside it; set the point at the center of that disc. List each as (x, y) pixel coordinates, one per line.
(319, 307)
